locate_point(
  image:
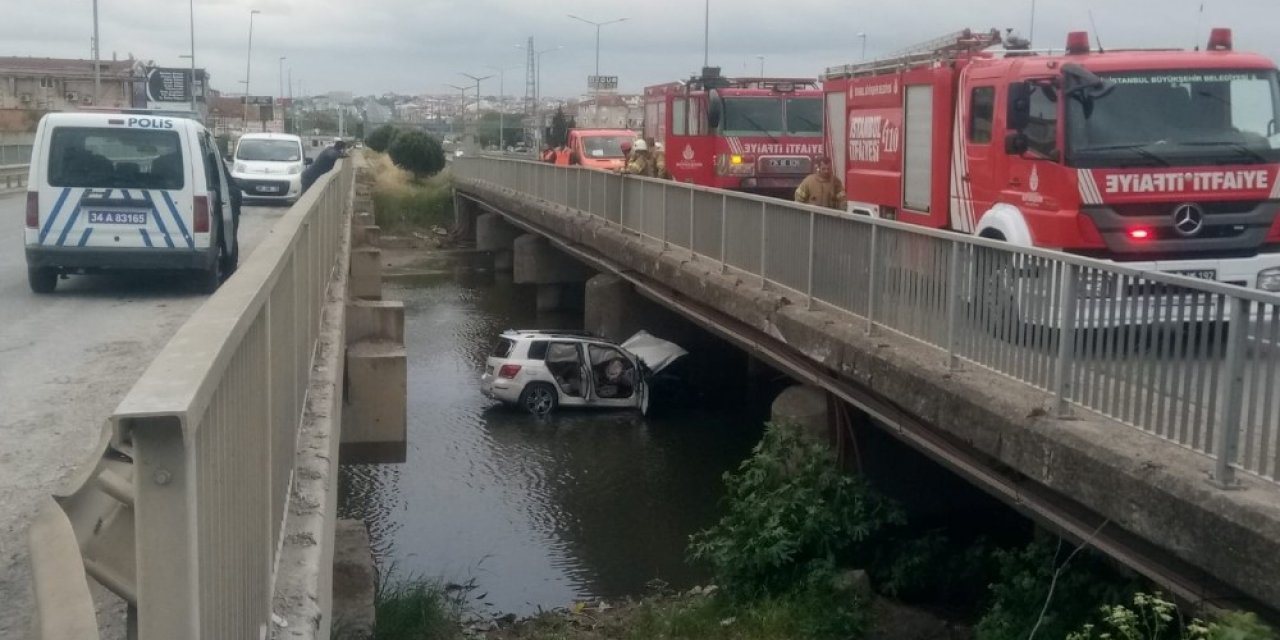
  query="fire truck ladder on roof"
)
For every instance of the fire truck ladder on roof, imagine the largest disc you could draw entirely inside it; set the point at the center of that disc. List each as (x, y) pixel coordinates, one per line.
(948, 47)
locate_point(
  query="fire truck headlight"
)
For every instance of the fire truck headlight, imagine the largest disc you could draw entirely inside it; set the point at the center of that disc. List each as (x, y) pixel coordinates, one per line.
(1269, 279)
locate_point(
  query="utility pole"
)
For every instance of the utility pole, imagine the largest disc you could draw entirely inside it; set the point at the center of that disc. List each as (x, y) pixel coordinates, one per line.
(761, 59)
(706, 36)
(191, 7)
(475, 134)
(502, 110)
(284, 110)
(97, 65)
(248, 64)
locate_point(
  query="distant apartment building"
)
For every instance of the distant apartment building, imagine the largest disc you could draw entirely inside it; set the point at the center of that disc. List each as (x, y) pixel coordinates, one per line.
(57, 84)
(609, 111)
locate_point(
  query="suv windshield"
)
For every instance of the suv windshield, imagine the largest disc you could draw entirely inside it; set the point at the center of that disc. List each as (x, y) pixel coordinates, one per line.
(804, 116)
(603, 146)
(115, 158)
(269, 151)
(1177, 118)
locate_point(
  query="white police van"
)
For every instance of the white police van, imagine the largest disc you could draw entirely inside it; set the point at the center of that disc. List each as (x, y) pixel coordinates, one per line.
(128, 190)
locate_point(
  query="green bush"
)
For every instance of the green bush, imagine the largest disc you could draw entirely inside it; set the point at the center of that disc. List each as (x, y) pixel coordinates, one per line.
(1085, 582)
(1154, 618)
(414, 206)
(417, 153)
(381, 138)
(791, 513)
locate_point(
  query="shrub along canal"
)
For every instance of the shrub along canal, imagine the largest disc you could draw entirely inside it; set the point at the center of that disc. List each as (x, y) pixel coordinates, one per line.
(536, 513)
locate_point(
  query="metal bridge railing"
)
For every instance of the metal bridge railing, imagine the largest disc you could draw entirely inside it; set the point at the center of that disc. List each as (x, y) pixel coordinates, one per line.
(213, 424)
(13, 178)
(1191, 361)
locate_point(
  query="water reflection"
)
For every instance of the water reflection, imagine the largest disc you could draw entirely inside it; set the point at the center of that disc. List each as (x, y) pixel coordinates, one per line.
(538, 512)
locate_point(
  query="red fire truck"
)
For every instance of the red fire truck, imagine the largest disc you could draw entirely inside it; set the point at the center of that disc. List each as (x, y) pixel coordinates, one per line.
(1168, 160)
(749, 134)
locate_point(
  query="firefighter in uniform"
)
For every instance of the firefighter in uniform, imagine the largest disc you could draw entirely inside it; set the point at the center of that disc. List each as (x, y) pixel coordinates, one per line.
(821, 188)
(660, 162)
(641, 163)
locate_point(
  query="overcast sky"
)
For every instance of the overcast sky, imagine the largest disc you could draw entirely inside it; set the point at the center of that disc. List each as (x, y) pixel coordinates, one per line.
(420, 46)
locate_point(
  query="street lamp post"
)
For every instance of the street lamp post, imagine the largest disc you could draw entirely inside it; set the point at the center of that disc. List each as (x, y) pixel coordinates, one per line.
(502, 91)
(761, 59)
(248, 65)
(706, 36)
(284, 110)
(463, 113)
(598, 25)
(191, 7)
(863, 36)
(476, 128)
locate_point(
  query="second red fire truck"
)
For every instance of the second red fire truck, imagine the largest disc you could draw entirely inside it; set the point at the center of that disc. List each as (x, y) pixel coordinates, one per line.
(750, 134)
(1167, 160)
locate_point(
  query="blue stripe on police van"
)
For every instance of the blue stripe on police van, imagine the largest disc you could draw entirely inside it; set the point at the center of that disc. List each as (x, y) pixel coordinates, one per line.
(146, 237)
(71, 222)
(57, 207)
(155, 215)
(84, 237)
(191, 243)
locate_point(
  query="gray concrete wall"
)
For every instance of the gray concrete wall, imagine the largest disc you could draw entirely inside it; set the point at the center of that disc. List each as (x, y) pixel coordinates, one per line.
(1149, 487)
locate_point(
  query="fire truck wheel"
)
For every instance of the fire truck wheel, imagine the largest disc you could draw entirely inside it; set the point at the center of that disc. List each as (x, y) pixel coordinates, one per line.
(995, 307)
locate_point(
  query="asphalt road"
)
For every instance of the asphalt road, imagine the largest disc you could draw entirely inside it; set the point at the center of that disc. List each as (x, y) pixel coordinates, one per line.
(66, 360)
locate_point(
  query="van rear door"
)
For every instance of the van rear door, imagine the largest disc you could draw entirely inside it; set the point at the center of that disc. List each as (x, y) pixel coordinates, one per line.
(124, 185)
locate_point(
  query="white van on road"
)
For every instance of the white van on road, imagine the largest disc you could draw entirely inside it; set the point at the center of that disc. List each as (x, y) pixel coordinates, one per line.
(269, 166)
(129, 190)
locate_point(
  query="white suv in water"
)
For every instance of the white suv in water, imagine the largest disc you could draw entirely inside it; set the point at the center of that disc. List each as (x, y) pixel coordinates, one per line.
(269, 166)
(542, 370)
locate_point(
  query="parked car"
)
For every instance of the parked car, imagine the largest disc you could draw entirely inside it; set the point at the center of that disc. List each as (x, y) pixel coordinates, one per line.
(540, 371)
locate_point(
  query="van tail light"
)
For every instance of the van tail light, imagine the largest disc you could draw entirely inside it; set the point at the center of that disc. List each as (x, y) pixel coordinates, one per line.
(509, 371)
(201, 222)
(33, 210)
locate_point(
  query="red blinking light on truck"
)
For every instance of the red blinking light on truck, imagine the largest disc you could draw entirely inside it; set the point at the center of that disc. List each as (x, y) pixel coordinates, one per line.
(1220, 39)
(1078, 43)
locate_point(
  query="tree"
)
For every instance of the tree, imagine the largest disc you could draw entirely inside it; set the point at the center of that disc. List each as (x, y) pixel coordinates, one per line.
(381, 138)
(559, 129)
(417, 153)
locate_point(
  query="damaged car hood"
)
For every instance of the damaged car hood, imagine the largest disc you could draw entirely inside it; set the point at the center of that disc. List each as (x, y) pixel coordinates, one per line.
(654, 352)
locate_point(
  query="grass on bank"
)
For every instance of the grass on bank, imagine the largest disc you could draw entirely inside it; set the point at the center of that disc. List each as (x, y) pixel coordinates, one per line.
(403, 203)
(411, 609)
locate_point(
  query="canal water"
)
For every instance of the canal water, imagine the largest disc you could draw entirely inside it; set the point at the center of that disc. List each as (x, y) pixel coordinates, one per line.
(536, 513)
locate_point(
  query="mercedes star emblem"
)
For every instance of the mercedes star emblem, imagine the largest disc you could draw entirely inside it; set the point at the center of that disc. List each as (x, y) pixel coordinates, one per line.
(1188, 220)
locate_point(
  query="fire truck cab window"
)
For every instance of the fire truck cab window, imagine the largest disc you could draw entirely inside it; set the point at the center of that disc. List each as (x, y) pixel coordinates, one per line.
(982, 110)
(751, 116)
(1042, 128)
(679, 117)
(697, 116)
(804, 116)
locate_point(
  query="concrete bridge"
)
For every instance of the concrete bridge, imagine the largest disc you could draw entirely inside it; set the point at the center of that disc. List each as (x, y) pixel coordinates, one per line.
(1137, 411)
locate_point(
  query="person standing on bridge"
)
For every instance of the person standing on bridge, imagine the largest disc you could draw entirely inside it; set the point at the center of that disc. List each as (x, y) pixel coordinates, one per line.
(821, 188)
(641, 163)
(322, 164)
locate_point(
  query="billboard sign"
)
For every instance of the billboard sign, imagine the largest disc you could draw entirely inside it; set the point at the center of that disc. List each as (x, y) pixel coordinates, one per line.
(168, 85)
(262, 100)
(602, 83)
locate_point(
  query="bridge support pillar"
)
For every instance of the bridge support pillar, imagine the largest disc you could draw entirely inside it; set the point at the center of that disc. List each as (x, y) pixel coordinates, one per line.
(495, 235)
(465, 213)
(374, 418)
(804, 408)
(615, 310)
(557, 276)
(366, 273)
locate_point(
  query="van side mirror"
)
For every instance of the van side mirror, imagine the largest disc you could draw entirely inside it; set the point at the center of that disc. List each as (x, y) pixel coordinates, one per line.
(1015, 143)
(308, 161)
(1018, 114)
